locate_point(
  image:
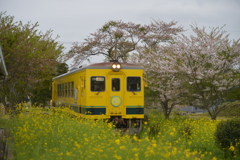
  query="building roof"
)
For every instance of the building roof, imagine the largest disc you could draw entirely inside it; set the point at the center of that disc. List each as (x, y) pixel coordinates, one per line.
(3, 69)
(192, 109)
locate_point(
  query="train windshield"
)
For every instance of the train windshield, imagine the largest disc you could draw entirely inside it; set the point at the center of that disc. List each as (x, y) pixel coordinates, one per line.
(115, 84)
(97, 84)
(133, 84)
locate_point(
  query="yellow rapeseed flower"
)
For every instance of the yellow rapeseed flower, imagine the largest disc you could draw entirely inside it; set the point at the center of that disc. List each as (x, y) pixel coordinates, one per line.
(110, 125)
(122, 147)
(60, 154)
(174, 151)
(135, 137)
(232, 148)
(117, 157)
(68, 153)
(77, 145)
(187, 155)
(214, 158)
(117, 141)
(154, 145)
(190, 142)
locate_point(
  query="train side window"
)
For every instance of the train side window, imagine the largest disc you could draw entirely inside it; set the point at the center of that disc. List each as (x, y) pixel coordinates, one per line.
(134, 84)
(115, 84)
(72, 89)
(97, 84)
(68, 89)
(65, 89)
(58, 90)
(62, 90)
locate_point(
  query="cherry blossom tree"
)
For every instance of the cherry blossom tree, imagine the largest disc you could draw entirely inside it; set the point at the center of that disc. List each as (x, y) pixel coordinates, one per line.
(201, 69)
(164, 80)
(160, 32)
(116, 40)
(160, 77)
(209, 66)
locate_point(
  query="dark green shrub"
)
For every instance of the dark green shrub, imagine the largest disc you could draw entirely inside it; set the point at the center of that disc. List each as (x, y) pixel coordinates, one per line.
(227, 137)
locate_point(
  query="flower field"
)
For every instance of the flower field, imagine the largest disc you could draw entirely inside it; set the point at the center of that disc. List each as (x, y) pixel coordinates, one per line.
(57, 134)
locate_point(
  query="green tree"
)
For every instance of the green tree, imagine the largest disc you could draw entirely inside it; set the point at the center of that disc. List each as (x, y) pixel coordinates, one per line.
(61, 69)
(42, 93)
(234, 94)
(30, 56)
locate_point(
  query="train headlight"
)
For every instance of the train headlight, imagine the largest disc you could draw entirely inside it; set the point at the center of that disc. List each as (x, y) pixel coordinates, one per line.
(116, 66)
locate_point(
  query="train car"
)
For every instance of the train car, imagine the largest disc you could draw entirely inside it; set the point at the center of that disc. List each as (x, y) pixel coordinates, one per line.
(109, 90)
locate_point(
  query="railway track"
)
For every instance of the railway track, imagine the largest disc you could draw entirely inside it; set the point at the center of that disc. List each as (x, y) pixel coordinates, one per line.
(2, 144)
(6, 149)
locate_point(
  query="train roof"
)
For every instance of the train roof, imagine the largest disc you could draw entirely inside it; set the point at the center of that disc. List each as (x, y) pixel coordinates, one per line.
(104, 65)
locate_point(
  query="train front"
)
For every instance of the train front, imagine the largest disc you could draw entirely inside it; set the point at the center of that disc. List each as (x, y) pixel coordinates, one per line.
(124, 93)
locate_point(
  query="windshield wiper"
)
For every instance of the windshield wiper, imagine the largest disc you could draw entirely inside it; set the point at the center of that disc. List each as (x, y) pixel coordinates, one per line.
(97, 92)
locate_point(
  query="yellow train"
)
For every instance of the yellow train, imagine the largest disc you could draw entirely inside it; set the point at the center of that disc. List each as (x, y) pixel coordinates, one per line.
(108, 90)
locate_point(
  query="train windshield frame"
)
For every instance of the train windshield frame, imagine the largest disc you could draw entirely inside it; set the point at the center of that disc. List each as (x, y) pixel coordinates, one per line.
(134, 84)
(98, 84)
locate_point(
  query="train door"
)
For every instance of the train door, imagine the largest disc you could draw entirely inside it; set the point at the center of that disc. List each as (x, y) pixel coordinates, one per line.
(116, 105)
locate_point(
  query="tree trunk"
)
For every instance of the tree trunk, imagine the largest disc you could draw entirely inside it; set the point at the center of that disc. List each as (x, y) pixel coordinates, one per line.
(166, 110)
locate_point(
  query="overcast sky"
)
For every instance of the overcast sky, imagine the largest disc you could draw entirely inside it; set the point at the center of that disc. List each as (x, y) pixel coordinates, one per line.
(74, 20)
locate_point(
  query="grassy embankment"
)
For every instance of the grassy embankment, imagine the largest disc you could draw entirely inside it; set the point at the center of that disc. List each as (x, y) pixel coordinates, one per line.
(58, 136)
